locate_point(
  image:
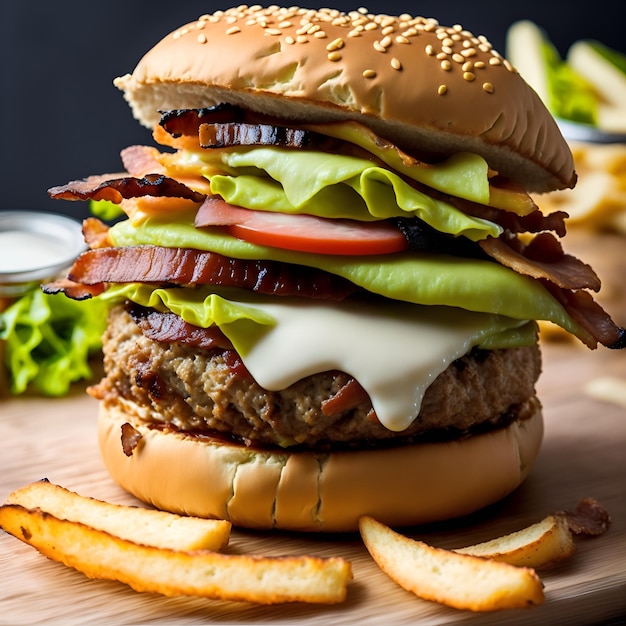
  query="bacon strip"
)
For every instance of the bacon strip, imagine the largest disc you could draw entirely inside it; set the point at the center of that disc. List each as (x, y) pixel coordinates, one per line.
(169, 328)
(182, 266)
(116, 187)
(96, 233)
(590, 518)
(348, 397)
(584, 310)
(187, 121)
(244, 134)
(72, 289)
(142, 160)
(542, 258)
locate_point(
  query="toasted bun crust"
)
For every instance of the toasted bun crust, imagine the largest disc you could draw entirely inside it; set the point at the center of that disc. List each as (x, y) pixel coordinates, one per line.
(307, 491)
(425, 87)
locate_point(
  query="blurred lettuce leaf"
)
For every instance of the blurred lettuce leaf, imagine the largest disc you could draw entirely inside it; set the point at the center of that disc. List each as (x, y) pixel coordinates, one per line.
(48, 341)
(105, 210)
(572, 97)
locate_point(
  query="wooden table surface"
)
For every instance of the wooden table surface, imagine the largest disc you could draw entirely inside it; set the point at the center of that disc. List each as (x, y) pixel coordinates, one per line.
(584, 454)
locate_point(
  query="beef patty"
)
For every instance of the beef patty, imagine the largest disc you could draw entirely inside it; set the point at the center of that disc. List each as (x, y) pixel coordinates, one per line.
(209, 392)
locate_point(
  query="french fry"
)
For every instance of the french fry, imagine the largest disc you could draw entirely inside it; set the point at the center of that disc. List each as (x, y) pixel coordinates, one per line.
(98, 554)
(545, 542)
(140, 525)
(457, 580)
(608, 389)
(598, 201)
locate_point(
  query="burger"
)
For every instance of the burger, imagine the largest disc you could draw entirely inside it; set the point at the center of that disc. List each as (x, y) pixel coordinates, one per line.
(324, 290)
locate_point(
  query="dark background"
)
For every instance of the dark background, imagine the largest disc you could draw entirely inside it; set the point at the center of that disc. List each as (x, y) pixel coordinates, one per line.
(62, 118)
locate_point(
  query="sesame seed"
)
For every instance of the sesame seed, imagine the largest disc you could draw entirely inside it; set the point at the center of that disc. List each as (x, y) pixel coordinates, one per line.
(458, 58)
(442, 89)
(284, 24)
(494, 61)
(233, 30)
(469, 76)
(469, 52)
(430, 50)
(388, 30)
(395, 63)
(479, 65)
(467, 66)
(201, 38)
(336, 44)
(320, 34)
(442, 55)
(385, 42)
(273, 31)
(402, 39)
(369, 74)
(488, 87)
(334, 56)
(371, 26)
(446, 49)
(302, 39)
(446, 65)
(379, 47)
(290, 40)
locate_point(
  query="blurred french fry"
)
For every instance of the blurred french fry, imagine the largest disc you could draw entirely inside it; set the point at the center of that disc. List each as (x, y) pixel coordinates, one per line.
(457, 580)
(98, 554)
(598, 202)
(540, 544)
(146, 526)
(608, 389)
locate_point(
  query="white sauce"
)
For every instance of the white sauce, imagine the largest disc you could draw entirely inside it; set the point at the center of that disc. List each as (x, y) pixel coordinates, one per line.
(21, 251)
(394, 351)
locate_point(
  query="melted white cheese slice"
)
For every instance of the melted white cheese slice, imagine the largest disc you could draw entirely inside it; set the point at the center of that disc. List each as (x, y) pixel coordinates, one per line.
(394, 350)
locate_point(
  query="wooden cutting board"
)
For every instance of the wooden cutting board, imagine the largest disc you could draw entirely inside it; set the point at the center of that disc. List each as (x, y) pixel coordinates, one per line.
(584, 454)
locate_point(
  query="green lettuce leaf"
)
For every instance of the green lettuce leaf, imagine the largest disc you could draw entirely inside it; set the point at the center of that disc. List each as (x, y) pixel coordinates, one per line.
(48, 341)
(244, 317)
(418, 278)
(463, 174)
(338, 186)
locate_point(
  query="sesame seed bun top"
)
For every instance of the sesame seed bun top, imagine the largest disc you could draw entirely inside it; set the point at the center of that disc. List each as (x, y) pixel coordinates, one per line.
(428, 88)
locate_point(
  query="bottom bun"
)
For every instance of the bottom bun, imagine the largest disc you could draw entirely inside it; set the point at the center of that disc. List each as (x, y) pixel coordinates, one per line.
(307, 491)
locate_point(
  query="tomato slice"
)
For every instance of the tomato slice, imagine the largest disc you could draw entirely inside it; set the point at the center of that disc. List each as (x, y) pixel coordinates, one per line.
(308, 233)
